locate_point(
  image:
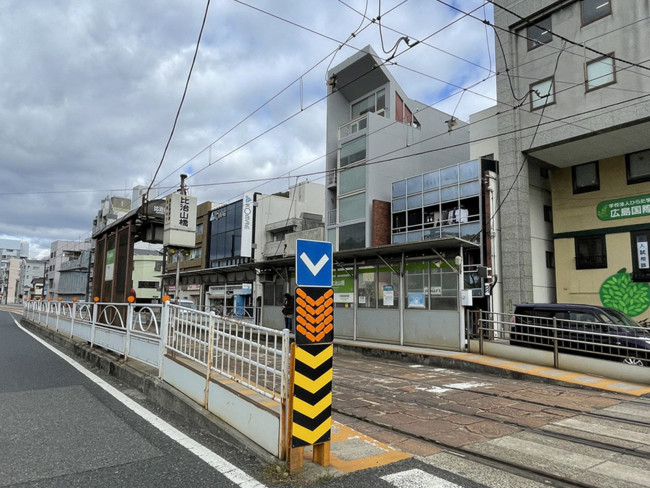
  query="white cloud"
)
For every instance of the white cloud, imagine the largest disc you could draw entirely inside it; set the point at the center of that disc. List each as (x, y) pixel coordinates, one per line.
(90, 90)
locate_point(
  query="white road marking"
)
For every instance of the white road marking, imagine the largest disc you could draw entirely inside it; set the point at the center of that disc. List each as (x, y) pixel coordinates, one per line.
(314, 268)
(230, 471)
(417, 478)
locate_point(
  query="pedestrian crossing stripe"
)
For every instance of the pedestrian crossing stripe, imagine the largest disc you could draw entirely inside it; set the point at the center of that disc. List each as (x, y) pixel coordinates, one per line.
(314, 315)
(312, 394)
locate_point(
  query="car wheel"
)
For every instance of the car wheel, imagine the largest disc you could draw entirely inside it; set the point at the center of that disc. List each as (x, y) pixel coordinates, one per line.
(633, 361)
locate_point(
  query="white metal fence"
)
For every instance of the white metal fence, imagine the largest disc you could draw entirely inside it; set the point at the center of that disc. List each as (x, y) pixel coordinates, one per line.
(255, 356)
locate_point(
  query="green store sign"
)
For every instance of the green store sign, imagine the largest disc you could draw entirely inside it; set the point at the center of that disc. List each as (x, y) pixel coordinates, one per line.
(624, 208)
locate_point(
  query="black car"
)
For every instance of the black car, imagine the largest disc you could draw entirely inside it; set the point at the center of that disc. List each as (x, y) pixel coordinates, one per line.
(581, 329)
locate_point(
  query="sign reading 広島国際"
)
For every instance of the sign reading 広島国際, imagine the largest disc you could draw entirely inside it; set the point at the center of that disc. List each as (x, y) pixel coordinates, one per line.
(624, 208)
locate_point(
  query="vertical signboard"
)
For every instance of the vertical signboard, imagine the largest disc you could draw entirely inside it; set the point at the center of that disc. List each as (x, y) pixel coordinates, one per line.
(247, 219)
(180, 221)
(110, 265)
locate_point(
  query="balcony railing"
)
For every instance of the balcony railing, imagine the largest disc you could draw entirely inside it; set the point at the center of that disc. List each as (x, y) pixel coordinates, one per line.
(353, 126)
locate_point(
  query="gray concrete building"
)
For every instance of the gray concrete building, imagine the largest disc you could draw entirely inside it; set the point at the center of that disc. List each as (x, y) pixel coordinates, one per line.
(576, 73)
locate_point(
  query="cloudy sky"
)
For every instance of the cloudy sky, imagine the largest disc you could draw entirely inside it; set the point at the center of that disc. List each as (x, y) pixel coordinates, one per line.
(90, 89)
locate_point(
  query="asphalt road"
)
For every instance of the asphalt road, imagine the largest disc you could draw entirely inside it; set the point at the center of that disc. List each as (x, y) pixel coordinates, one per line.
(60, 428)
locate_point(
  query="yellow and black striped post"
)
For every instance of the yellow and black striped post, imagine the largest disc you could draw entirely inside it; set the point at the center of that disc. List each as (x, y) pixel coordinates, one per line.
(312, 379)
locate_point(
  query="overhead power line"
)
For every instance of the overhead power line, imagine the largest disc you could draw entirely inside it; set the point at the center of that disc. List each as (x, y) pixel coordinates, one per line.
(180, 106)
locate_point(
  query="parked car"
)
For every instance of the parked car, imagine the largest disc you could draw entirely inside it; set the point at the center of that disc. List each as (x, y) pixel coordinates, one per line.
(187, 304)
(581, 329)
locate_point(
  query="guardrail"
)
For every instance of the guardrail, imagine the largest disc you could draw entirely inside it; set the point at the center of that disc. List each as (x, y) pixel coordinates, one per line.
(619, 342)
(181, 342)
(250, 354)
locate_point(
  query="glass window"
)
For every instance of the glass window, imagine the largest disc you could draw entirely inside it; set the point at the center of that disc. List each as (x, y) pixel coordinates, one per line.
(352, 236)
(449, 193)
(399, 238)
(469, 171)
(431, 197)
(471, 232)
(417, 285)
(449, 176)
(388, 288)
(414, 185)
(414, 236)
(415, 217)
(431, 180)
(352, 207)
(470, 189)
(600, 72)
(443, 290)
(542, 94)
(414, 201)
(399, 204)
(539, 33)
(637, 166)
(367, 288)
(585, 177)
(593, 10)
(352, 179)
(353, 151)
(375, 102)
(591, 252)
(399, 188)
(199, 229)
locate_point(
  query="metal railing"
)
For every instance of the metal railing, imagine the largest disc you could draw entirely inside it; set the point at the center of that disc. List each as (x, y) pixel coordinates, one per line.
(255, 356)
(619, 342)
(250, 354)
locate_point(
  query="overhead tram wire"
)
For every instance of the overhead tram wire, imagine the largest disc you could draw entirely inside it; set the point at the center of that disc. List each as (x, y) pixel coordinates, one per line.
(372, 162)
(331, 54)
(180, 106)
(563, 38)
(322, 98)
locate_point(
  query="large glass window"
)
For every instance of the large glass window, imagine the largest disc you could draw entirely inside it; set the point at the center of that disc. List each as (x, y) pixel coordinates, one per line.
(225, 233)
(591, 252)
(586, 177)
(600, 72)
(637, 167)
(352, 179)
(593, 10)
(443, 289)
(539, 33)
(542, 94)
(352, 207)
(353, 151)
(373, 103)
(352, 236)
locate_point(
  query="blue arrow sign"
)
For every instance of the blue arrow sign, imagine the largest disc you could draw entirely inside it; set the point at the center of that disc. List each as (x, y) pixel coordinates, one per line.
(313, 263)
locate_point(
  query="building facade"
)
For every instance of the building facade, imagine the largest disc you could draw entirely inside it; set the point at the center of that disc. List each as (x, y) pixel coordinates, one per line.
(32, 274)
(67, 274)
(375, 135)
(10, 249)
(576, 144)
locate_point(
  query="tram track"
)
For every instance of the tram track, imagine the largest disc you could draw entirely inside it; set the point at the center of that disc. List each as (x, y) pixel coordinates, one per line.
(581, 442)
